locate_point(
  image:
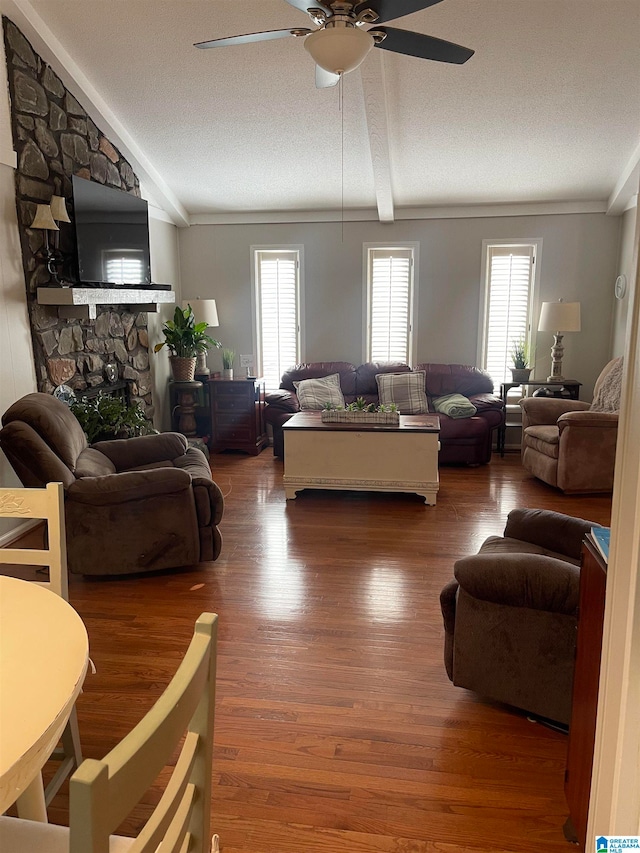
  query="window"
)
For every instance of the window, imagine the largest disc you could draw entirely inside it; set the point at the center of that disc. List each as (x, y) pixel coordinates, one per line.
(509, 273)
(277, 298)
(390, 302)
(123, 266)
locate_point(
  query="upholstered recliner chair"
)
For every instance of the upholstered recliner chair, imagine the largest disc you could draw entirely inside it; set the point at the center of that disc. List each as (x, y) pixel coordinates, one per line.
(571, 444)
(131, 505)
(510, 614)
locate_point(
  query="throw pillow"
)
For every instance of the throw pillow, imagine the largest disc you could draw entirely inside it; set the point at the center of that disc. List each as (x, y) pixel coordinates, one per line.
(316, 393)
(454, 405)
(406, 390)
(607, 398)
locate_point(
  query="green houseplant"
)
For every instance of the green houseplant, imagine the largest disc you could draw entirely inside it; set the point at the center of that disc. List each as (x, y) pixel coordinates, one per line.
(520, 358)
(228, 357)
(185, 339)
(103, 418)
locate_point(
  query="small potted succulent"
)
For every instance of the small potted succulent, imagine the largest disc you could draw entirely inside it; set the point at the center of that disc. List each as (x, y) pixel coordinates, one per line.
(228, 357)
(521, 371)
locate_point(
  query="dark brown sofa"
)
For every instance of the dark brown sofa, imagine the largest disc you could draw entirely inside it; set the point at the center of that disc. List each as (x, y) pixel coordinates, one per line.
(510, 614)
(462, 441)
(131, 505)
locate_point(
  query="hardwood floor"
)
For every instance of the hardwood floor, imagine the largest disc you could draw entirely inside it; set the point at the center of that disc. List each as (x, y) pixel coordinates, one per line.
(336, 727)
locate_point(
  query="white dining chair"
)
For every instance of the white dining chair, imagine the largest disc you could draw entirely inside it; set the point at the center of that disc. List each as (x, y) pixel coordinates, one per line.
(46, 504)
(103, 793)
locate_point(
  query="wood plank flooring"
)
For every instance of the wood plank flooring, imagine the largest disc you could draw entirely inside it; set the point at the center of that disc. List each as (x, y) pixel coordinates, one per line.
(336, 727)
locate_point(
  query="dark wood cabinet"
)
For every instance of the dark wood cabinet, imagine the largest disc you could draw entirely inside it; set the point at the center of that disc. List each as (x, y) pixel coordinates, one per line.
(237, 415)
(582, 728)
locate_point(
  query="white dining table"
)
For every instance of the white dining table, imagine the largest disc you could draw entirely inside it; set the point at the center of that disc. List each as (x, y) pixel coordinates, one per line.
(44, 651)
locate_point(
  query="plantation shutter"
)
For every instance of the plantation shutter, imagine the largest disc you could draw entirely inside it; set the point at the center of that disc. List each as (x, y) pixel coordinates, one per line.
(390, 294)
(124, 266)
(509, 289)
(278, 312)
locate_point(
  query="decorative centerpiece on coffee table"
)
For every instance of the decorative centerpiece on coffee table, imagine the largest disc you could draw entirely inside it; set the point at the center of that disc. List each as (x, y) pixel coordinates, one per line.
(361, 412)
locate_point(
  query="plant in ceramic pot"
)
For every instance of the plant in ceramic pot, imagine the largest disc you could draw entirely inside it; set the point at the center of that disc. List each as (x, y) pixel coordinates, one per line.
(520, 371)
(185, 339)
(228, 357)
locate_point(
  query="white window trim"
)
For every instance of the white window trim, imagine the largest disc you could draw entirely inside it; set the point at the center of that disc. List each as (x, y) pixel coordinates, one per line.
(413, 303)
(536, 242)
(255, 313)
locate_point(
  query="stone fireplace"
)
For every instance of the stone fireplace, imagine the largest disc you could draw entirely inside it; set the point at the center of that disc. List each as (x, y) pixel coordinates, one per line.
(54, 139)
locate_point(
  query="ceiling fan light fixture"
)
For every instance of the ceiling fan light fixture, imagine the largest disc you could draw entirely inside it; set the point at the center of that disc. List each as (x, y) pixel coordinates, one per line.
(338, 50)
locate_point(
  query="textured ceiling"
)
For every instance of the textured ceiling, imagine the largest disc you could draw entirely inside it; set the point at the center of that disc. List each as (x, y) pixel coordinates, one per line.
(548, 108)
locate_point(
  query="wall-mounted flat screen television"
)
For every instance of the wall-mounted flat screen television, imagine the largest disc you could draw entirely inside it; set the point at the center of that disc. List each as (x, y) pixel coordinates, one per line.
(112, 235)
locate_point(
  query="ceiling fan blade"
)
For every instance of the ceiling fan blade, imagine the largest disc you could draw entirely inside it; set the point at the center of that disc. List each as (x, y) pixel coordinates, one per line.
(424, 47)
(326, 79)
(305, 5)
(387, 10)
(250, 37)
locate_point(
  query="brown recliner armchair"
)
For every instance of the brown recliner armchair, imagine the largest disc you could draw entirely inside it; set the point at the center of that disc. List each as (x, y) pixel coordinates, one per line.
(571, 444)
(131, 505)
(510, 614)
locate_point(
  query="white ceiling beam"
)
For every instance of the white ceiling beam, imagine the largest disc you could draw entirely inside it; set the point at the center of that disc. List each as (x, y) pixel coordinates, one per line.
(375, 102)
(627, 185)
(24, 16)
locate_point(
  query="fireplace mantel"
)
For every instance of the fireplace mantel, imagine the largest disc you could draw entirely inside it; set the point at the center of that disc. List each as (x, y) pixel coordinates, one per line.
(82, 302)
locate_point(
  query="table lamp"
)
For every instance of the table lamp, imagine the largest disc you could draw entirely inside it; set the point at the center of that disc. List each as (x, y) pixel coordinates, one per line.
(558, 317)
(204, 311)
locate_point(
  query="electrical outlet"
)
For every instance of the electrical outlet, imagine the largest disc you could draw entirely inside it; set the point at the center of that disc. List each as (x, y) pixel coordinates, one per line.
(246, 361)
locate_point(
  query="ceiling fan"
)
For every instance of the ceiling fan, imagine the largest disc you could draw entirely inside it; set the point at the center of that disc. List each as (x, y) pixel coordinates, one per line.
(340, 44)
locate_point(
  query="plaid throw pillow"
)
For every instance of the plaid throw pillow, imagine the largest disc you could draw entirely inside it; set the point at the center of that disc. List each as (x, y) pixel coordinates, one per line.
(406, 390)
(316, 393)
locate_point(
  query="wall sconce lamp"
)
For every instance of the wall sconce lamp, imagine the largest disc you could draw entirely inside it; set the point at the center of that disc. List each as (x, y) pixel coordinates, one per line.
(558, 317)
(45, 219)
(204, 311)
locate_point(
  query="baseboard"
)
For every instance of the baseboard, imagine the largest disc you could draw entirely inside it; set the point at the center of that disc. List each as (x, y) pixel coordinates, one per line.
(12, 536)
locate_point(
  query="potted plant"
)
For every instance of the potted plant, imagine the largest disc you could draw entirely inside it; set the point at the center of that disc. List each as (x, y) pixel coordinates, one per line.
(228, 357)
(103, 418)
(520, 371)
(185, 339)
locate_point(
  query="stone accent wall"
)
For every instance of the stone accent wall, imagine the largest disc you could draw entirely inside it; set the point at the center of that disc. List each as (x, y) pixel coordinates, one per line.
(54, 139)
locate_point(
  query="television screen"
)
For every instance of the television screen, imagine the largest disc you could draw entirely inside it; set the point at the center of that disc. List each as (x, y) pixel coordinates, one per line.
(112, 235)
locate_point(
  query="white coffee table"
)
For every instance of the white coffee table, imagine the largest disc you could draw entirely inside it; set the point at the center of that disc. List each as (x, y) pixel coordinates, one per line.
(362, 457)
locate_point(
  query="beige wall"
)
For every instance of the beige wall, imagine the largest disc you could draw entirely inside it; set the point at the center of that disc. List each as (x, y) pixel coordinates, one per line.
(578, 262)
(163, 246)
(17, 375)
(625, 261)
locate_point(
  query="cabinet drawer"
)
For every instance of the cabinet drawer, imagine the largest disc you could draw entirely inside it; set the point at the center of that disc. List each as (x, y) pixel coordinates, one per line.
(227, 403)
(230, 432)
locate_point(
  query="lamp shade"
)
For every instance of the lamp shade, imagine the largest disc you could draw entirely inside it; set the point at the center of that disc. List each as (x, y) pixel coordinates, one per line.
(338, 50)
(43, 219)
(559, 317)
(59, 209)
(204, 310)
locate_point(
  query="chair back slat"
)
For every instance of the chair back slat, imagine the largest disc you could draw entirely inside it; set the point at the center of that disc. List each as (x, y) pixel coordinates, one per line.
(47, 504)
(103, 793)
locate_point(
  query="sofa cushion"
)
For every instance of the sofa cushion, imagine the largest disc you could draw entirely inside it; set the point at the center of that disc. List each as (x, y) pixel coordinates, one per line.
(366, 377)
(454, 405)
(318, 369)
(456, 379)
(406, 390)
(508, 545)
(92, 463)
(316, 393)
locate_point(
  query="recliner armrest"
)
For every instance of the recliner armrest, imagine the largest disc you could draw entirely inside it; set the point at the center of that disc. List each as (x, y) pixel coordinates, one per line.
(283, 399)
(553, 531)
(588, 420)
(128, 453)
(521, 580)
(128, 486)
